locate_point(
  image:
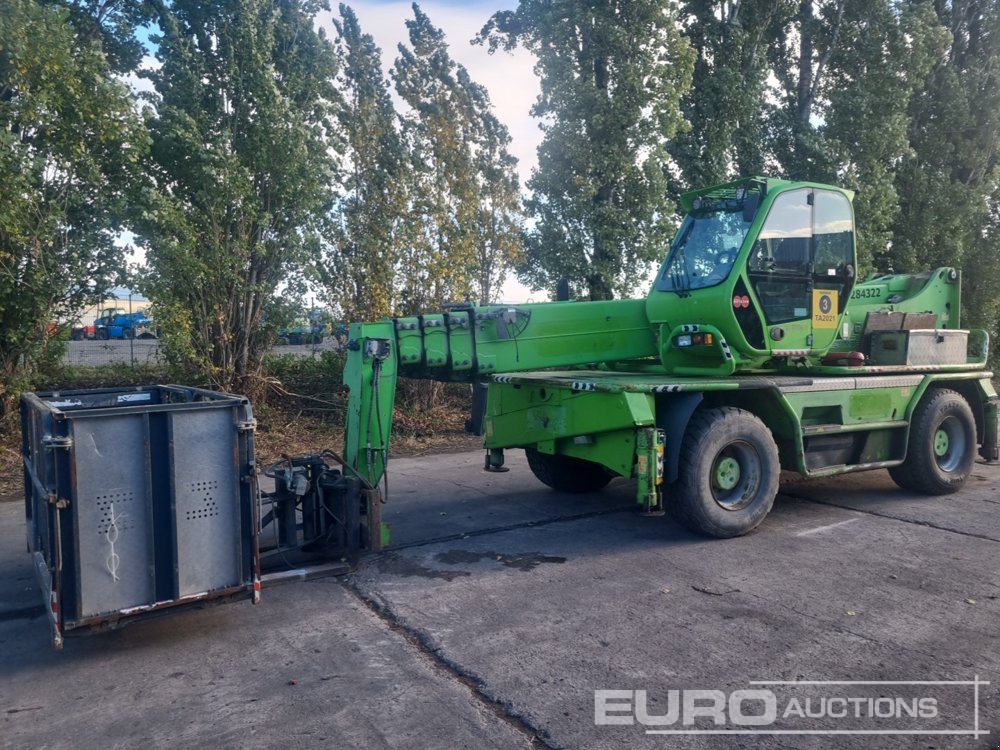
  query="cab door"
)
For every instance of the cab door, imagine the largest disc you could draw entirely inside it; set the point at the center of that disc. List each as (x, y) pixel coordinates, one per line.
(801, 269)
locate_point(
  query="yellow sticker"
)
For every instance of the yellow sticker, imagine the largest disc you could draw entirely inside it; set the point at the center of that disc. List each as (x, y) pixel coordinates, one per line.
(825, 308)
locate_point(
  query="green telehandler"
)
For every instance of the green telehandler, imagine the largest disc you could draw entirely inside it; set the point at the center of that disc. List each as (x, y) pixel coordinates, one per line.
(757, 349)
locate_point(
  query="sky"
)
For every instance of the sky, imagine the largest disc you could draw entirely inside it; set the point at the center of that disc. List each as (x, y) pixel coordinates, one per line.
(508, 76)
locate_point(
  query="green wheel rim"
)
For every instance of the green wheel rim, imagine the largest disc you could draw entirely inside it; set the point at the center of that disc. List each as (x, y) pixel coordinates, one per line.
(941, 442)
(727, 472)
(735, 476)
(949, 444)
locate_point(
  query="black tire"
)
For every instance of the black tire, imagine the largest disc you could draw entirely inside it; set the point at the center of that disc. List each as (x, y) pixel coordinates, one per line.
(101, 335)
(566, 473)
(941, 450)
(728, 474)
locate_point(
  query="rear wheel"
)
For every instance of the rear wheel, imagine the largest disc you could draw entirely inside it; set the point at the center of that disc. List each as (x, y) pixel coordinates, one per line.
(942, 446)
(101, 335)
(728, 474)
(566, 473)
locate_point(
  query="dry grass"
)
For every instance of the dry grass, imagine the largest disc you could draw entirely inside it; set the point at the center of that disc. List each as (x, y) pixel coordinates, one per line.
(284, 429)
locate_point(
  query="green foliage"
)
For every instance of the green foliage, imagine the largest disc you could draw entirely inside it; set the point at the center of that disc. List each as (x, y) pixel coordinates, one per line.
(948, 185)
(309, 377)
(726, 102)
(885, 56)
(112, 25)
(497, 228)
(462, 229)
(611, 75)
(70, 142)
(67, 377)
(240, 174)
(359, 266)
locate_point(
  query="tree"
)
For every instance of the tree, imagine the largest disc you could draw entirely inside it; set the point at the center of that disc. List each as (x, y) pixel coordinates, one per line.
(885, 57)
(440, 254)
(112, 24)
(70, 142)
(612, 75)
(462, 228)
(949, 184)
(360, 266)
(497, 227)
(726, 102)
(241, 172)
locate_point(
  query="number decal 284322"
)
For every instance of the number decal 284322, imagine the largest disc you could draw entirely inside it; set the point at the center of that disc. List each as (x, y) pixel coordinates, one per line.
(866, 292)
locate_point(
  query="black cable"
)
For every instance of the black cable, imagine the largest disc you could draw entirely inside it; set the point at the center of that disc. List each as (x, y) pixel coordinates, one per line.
(336, 457)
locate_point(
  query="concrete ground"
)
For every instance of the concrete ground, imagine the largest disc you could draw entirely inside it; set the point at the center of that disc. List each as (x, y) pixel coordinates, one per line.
(503, 606)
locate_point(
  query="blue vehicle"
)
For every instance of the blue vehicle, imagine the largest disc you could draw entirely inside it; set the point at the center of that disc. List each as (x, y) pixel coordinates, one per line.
(115, 323)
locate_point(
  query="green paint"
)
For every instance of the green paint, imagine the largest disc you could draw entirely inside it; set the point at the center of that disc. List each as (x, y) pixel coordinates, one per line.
(941, 443)
(726, 474)
(595, 380)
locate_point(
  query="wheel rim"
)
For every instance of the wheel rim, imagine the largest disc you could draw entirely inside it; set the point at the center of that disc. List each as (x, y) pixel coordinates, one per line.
(736, 473)
(949, 444)
(727, 473)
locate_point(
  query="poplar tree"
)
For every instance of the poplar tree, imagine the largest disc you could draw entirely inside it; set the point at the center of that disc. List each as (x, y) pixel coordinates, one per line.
(360, 267)
(612, 75)
(70, 145)
(463, 228)
(241, 174)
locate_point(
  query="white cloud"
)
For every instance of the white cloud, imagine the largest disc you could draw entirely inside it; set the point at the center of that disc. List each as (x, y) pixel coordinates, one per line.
(508, 77)
(142, 85)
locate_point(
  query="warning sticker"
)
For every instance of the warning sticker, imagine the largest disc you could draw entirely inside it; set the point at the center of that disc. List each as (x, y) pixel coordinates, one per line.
(824, 308)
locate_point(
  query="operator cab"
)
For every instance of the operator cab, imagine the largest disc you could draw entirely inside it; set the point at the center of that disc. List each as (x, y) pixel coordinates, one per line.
(766, 266)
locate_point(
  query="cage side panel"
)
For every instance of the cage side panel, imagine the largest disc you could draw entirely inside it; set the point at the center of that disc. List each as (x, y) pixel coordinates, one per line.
(111, 515)
(206, 500)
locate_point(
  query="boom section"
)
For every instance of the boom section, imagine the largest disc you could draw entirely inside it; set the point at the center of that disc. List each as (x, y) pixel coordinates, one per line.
(469, 343)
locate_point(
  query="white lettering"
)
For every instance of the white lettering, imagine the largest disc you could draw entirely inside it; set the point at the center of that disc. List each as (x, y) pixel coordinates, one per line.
(770, 705)
(716, 711)
(794, 708)
(928, 708)
(609, 706)
(643, 716)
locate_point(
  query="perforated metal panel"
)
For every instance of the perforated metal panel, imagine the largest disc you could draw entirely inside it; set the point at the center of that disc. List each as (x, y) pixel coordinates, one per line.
(111, 514)
(207, 513)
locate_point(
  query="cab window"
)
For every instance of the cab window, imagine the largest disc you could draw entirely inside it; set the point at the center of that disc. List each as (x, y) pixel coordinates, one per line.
(806, 243)
(780, 260)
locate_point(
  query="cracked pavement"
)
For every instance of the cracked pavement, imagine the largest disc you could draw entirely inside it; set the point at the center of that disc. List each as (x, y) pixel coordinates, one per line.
(502, 606)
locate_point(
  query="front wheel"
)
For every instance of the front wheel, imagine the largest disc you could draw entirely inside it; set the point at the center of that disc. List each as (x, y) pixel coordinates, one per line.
(567, 473)
(728, 474)
(942, 446)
